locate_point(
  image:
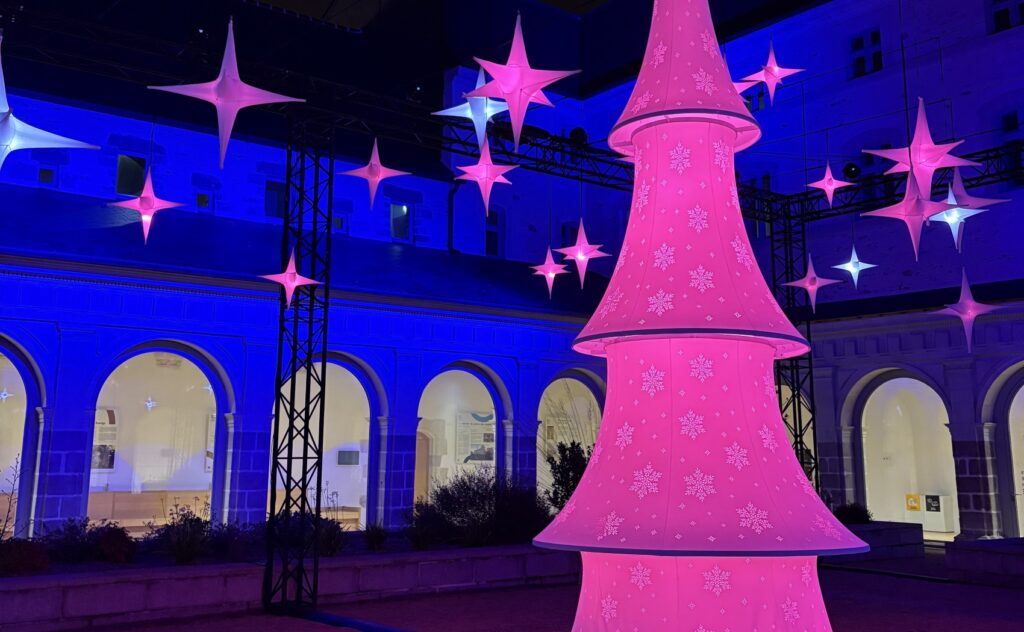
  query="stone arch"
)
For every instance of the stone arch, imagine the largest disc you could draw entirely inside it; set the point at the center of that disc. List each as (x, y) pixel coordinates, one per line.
(570, 414)
(22, 468)
(1001, 407)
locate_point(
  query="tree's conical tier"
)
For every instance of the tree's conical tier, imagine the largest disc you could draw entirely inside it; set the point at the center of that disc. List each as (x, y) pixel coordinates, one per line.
(683, 78)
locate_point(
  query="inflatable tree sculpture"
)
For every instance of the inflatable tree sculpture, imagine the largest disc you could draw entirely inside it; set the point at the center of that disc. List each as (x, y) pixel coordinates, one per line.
(693, 513)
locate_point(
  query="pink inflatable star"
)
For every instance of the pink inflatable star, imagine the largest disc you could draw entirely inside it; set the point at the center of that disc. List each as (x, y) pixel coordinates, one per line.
(923, 153)
(829, 184)
(486, 174)
(812, 283)
(967, 310)
(582, 252)
(772, 73)
(517, 83)
(913, 210)
(290, 279)
(228, 93)
(147, 205)
(374, 172)
(965, 199)
(549, 270)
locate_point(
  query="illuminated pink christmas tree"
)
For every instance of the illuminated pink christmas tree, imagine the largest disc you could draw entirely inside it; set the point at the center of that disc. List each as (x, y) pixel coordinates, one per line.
(693, 513)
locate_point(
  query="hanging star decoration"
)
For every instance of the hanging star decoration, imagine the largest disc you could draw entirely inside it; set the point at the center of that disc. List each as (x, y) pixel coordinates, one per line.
(955, 216)
(967, 310)
(811, 282)
(913, 210)
(829, 184)
(150, 403)
(486, 174)
(480, 110)
(228, 93)
(516, 83)
(16, 134)
(290, 280)
(549, 270)
(965, 199)
(923, 155)
(743, 85)
(374, 172)
(4, 395)
(855, 266)
(147, 205)
(772, 73)
(582, 252)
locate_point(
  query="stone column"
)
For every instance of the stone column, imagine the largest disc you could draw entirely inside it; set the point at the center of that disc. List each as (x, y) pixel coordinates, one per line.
(974, 456)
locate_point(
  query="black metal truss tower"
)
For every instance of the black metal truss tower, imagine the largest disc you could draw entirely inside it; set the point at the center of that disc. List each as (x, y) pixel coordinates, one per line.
(293, 557)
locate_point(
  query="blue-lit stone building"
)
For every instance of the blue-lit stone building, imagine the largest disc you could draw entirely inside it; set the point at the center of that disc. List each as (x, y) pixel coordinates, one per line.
(137, 378)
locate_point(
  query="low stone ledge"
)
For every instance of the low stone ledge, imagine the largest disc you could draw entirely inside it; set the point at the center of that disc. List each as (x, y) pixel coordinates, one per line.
(117, 597)
(991, 562)
(888, 540)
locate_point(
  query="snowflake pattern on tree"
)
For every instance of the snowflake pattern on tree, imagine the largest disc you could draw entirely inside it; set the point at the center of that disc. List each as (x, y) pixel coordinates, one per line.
(640, 576)
(642, 102)
(691, 424)
(789, 611)
(768, 438)
(709, 44)
(660, 303)
(624, 436)
(700, 485)
(643, 196)
(611, 303)
(723, 156)
(679, 159)
(753, 518)
(659, 55)
(610, 525)
(736, 456)
(645, 481)
(716, 580)
(698, 218)
(704, 82)
(664, 256)
(653, 381)
(742, 252)
(609, 608)
(701, 279)
(702, 368)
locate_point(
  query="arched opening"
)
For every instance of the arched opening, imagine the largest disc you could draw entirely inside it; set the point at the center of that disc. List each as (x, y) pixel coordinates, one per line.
(346, 468)
(154, 442)
(457, 429)
(1015, 429)
(909, 473)
(16, 450)
(569, 411)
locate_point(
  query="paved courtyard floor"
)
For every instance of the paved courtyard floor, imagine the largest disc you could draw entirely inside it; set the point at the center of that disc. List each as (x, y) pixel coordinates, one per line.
(857, 602)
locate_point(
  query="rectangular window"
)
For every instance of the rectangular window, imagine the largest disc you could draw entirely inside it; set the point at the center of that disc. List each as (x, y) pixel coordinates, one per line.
(569, 230)
(866, 51)
(131, 175)
(492, 240)
(47, 176)
(203, 201)
(348, 457)
(401, 216)
(275, 199)
(1005, 14)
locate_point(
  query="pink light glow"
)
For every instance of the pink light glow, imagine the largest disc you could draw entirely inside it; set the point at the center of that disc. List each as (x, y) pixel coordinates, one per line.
(693, 513)
(290, 280)
(913, 210)
(967, 310)
(374, 172)
(549, 270)
(582, 252)
(486, 174)
(829, 184)
(811, 282)
(147, 205)
(228, 93)
(772, 74)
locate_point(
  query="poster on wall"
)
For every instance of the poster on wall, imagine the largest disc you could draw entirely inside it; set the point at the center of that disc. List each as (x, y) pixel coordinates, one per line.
(913, 502)
(475, 438)
(104, 445)
(933, 503)
(211, 435)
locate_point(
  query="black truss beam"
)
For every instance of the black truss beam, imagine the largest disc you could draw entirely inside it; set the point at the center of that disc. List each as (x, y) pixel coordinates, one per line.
(293, 556)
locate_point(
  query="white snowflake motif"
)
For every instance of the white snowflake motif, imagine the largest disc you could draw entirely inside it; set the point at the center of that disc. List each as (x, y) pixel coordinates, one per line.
(624, 436)
(698, 218)
(653, 381)
(691, 424)
(710, 47)
(702, 368)
(700, 485)
(736, 456)
(723, 155)
(610, 525)
(566, 511)
(805, 574)
(645, 481)
(768, 441)
(742, 252)
(659, 55)
(704, 82)
(753, 518)
(789, 610)
(702, 279)
(768, 383)
(701, 628)
(679, 159)
(642, 101)
(827, 528)
(717, 580)
(621, 261)
(660, 303)
(643, 195)
(609, 608)
(664, 256)
(735, 195)
(611, 303)
(640, 576)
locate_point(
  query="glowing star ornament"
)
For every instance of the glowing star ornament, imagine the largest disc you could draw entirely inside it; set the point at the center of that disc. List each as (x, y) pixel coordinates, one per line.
(854, 266)
(549, 270)
(486, 174)
(913, 210)
(16, 134)
(743, 86)
(965, 199)
(772, 73)
(967, 310)
(923, 156)
(582, 252)
(811, 282)
(4, 395)
(228, 93)
(147, 205)
(955, 216)
(517, 83)
(480, 110)
(150, 403)
(290, 280)
(829, 184)
(374, 172)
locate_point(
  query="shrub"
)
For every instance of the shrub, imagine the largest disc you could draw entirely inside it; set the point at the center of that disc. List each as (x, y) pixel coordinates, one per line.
(853, 513)
(427, 527)
(566, 471)
(22, 557)
(185, 536)
(520, 514)
(331, 537)
(69, 541)
(110, 542)
(235, 542)
(375, 535)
